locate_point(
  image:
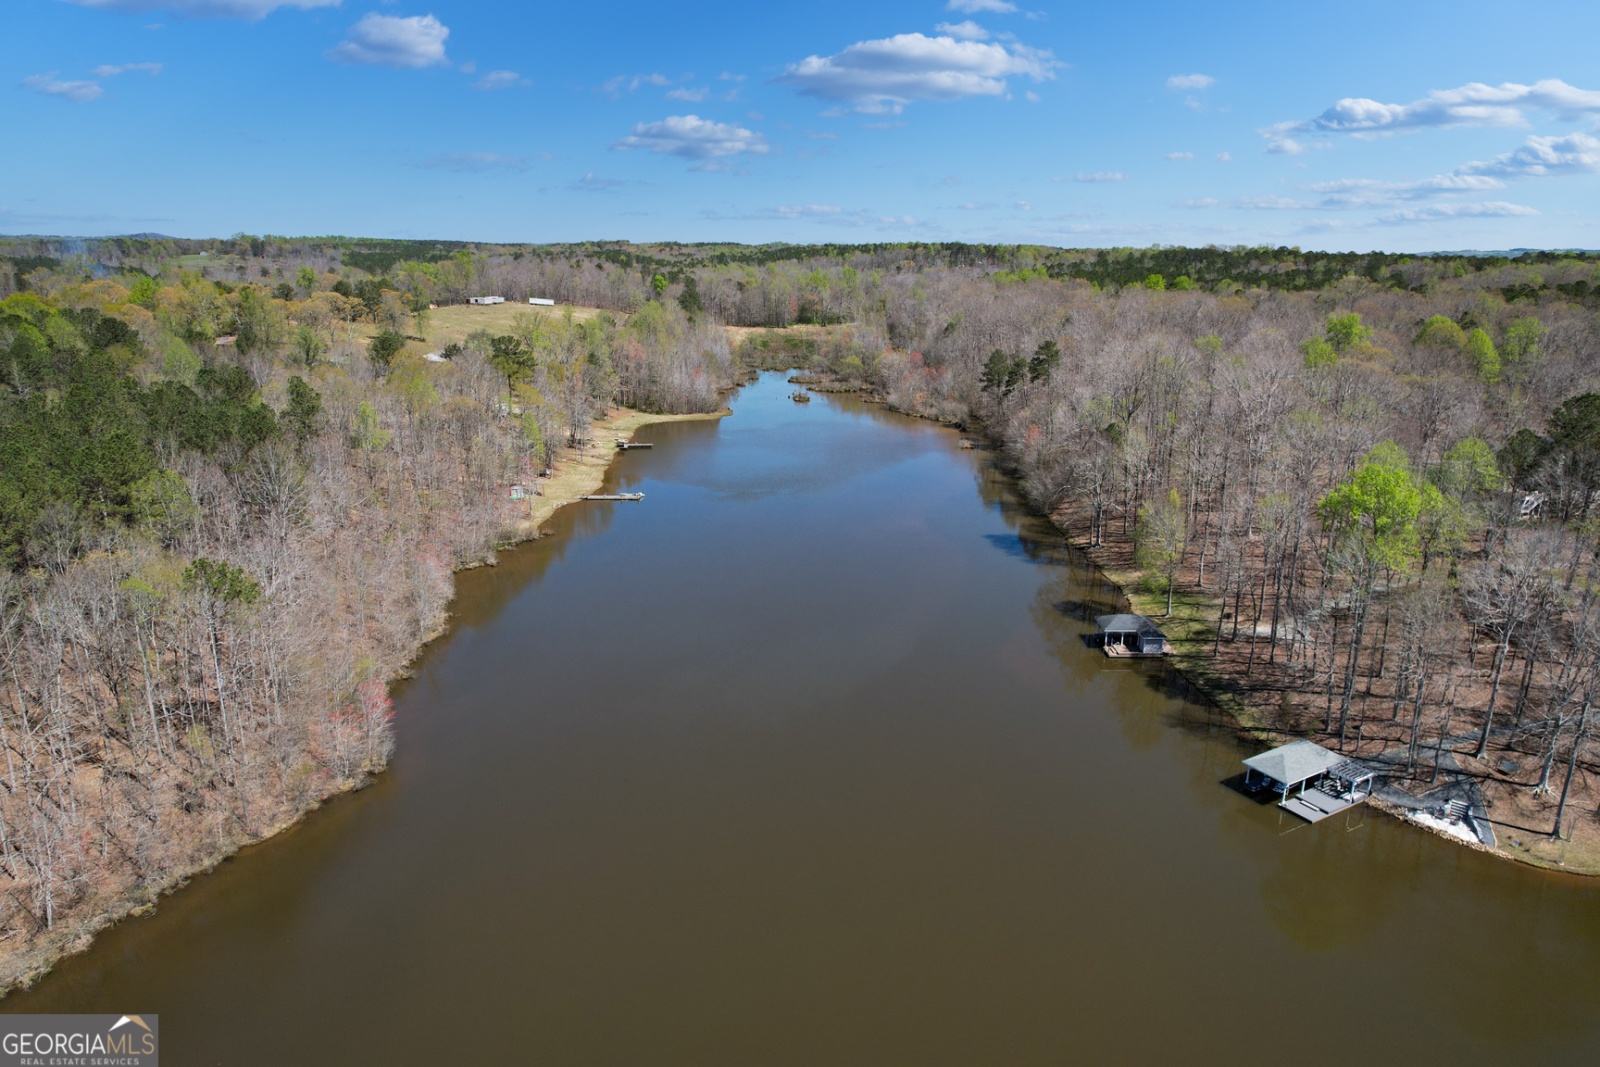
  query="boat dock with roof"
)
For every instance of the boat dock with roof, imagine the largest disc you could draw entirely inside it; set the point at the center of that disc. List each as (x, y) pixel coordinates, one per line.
(1310, 781)
(1130, 635)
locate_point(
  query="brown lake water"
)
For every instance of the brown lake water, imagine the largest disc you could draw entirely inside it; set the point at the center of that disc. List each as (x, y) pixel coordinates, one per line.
(803, 760)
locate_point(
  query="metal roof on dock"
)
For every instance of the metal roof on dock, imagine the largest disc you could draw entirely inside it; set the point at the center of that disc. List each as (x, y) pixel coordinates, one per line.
(1295, 762)
(1132, 624)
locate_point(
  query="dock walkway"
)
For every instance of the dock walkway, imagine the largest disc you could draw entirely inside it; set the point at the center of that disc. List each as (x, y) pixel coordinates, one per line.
(1124, 652)
(1314, 805)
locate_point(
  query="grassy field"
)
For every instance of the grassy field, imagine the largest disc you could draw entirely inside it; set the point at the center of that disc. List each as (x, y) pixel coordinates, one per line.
(452, 324)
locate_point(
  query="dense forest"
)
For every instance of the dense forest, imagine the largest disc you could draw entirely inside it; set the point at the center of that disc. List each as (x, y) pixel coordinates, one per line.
(235, 476)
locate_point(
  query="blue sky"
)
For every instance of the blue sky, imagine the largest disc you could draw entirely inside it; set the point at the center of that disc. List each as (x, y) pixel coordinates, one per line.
(1403, 126)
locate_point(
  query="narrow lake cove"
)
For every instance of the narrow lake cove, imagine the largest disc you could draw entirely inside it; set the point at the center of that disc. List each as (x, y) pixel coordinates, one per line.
(803, 760)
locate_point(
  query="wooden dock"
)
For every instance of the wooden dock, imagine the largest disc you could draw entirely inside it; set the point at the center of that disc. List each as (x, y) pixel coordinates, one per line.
(1124, 652)
(1314, 805)
(613, 496)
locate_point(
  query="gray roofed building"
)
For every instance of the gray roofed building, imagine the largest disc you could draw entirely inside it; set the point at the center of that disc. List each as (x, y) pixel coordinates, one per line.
(1130, 634)
(1295, 762)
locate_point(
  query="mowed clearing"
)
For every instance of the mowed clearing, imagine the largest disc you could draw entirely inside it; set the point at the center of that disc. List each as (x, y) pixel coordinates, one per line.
(454, 322)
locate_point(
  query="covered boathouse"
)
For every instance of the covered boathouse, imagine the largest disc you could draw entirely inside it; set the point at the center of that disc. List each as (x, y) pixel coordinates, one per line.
(1310, 781)
(1131, 635)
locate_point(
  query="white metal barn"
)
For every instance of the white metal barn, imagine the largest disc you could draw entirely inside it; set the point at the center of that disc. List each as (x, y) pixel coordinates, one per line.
(541, 302)
(486, 300)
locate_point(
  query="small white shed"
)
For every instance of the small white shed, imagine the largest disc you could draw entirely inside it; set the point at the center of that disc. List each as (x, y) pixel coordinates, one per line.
(541, 302)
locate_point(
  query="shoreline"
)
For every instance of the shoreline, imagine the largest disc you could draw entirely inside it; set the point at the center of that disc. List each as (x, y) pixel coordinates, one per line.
(576, 472)
(579, 472)
(1219, 687)
(1224, 691)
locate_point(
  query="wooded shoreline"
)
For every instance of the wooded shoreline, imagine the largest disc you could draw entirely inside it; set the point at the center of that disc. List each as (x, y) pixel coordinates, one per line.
(1224, 682)
(575, 472)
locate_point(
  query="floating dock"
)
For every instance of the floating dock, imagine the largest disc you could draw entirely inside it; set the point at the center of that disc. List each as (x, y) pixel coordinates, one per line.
(623, 446)
(613, 496)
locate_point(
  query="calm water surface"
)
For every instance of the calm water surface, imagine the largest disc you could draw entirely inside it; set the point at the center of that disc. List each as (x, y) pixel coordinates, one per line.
(803, 761)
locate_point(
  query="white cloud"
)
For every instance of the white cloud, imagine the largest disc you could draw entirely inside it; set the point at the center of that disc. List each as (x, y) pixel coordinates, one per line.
(473, 162)
(111, 71)
(1366, 192)
(624, 83)
(692, 137)
(972, 7)
(1224, 157)
(1576, 153)
(824, 214)
(1191, 81)
(821, 135)
(1249, 203)
(885, 75)
(410, 42)
(806, 211)
(965, 31)
(1098, 176)
(1541, 156)
(1269, 203)
(592, 183)
(1032, 97)
(239, 9)
(1493, 209)
(693, 96)
(1285, 146)
(1473, 104)
(1023, 205)
(79, 92)
(500, 79)
(1177, 156)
